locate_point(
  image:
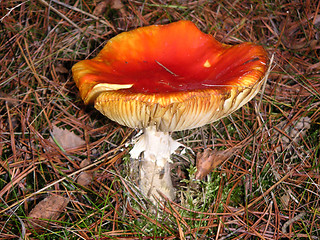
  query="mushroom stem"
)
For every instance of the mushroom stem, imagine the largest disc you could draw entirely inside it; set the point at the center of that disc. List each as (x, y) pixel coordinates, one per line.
(155, 163)
(155, 179)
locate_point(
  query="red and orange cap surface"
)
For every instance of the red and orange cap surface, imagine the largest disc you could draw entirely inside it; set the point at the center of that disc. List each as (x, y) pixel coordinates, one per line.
(170, 76)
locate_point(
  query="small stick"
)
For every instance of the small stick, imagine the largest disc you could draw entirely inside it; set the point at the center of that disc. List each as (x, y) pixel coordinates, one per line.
(167, 69)
(290, 221)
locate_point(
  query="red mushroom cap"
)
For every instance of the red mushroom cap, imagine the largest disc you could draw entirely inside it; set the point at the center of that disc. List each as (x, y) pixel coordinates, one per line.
(170, 76)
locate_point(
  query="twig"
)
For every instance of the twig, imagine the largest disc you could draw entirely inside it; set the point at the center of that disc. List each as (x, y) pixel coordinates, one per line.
(167, 69)
(11, 9)
(290, 221)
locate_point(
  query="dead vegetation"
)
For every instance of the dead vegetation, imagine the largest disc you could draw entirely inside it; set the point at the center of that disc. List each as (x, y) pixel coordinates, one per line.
(269, 189)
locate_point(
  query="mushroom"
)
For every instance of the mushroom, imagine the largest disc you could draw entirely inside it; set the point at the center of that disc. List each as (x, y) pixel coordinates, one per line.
(166, 78)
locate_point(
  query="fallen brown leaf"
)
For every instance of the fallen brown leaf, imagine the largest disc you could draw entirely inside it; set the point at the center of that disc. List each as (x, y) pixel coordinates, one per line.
(48, 209)
(61, 69)
(12, 102)
(66, 139)
(102, 6)
(210, 159)
(85, 178)
(85, 163)
(285, 200)
(116, 4)
(292, 133)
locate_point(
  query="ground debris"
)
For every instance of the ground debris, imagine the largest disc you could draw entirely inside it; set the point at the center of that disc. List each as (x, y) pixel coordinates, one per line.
(65, 138)
(209, 159)
(292, 132)
(85, 178)
(102, 6)
(47, 210)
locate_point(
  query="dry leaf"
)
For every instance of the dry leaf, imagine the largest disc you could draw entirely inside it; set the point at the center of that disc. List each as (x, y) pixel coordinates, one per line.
(49, 208)
(285, 199)
(313, 67)
(12, 102)
(66, 139)
(85, 178)
(116, 4)
(102, 6)
(294, 132)
(61, 69)
(210, 159)
(85, 163)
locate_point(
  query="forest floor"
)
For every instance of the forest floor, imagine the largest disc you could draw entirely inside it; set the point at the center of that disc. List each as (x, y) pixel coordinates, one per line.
(68, 166)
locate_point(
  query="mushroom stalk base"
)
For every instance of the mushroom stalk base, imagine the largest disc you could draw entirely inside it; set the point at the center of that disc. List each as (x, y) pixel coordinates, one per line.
(155, 163)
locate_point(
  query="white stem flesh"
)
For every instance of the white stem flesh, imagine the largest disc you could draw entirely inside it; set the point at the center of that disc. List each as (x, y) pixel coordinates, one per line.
(155, 163)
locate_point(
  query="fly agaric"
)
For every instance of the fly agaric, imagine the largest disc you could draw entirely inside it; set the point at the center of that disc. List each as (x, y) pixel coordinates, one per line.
(166, 78)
